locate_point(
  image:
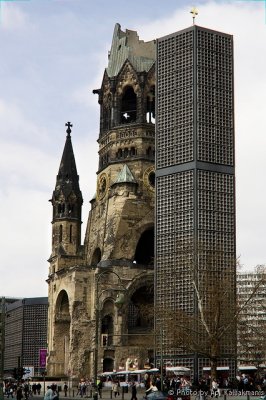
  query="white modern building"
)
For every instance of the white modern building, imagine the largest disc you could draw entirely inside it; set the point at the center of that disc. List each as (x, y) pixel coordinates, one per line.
(251, 292)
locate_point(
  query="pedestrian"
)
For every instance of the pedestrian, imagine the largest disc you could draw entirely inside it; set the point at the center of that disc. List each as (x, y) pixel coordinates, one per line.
(55, 395)
(151, 389)
(34, 388)
(9, 391)
(19, 392)
(214, 391)
(26, 390)
(133, 391)
(83, 388)
(65, 389)
(79, 388)
(146, 381)
(100, 387)
(49, 394)
(115, 388)
(38, 388)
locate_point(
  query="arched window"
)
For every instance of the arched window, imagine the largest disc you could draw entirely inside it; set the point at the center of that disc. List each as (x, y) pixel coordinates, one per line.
(145, 248)
(60, 233)
(129, 106)
(106, 114)
(151, 106)
(140, 315)
(108, 365)
(70, 233)
(107, 330)
(70, 208)
(96, 258)
(63, 303)
(132, 151)
(62, 331)
(61, 208)
(125, 152)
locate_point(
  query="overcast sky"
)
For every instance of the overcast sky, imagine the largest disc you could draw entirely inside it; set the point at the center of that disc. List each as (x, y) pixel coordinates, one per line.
(53, 54)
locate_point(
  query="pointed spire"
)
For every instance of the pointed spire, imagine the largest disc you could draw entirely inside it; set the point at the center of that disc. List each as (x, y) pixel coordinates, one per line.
(125, 176)
(67, 204)
(67, 180)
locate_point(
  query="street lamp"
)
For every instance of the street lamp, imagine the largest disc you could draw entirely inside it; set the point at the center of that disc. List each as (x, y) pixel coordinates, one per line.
(120, 299)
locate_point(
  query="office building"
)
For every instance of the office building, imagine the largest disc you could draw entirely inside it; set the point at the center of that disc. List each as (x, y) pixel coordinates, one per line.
(25, 333)
(251, 295)
(195, 188)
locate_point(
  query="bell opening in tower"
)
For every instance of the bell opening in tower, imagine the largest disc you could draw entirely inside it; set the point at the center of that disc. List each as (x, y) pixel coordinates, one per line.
(129, 106)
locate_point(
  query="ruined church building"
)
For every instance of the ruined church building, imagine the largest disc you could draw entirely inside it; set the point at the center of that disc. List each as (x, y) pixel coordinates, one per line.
(112, 272)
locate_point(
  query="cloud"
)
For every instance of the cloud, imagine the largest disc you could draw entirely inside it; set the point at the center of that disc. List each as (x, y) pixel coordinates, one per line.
(12, 17)
(24, 242)
(17, 127)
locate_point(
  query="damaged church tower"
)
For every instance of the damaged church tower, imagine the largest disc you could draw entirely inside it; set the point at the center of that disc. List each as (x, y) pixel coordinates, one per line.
(99, 292)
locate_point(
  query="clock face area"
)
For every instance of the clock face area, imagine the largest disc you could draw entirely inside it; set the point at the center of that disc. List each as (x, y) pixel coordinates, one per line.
(102, 186)
(149, 178)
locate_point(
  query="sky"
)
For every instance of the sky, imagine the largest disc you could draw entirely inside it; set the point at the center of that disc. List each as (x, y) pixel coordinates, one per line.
(52, 55)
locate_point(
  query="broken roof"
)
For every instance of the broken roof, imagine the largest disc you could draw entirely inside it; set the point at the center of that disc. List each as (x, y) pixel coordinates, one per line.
(127, 46)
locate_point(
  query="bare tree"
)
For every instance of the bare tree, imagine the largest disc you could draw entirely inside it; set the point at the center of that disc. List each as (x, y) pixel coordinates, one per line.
(210, 330)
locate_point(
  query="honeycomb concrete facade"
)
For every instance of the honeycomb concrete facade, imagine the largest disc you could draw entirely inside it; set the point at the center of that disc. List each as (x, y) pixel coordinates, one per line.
(195, 191)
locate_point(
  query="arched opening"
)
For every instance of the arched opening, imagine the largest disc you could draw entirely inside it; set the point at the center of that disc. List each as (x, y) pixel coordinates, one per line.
(129, 106)
(125, 152)
(62, 333)
(132, 151)
(62, 305)
(108, 365)
(107, 331)
(60, 233)
(140, 309)
(151, 106)
(106, 114)
(145, 248)
(61, 208)
(96, 257)
(70, 233)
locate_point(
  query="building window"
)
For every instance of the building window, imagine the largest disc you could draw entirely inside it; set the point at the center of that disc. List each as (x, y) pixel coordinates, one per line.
(70, 234)
(129, 106)
(60, 233)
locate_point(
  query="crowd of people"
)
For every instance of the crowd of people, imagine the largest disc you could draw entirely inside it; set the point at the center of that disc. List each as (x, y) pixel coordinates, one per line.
(246, 382)
(84, 387)
(21, 390)
(172, 384)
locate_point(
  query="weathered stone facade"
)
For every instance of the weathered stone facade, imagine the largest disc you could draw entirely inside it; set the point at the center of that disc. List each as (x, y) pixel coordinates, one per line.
(116, 260)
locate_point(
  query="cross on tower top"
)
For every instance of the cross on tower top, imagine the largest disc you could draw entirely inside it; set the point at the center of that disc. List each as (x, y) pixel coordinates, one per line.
(69, 126)
(194, 13)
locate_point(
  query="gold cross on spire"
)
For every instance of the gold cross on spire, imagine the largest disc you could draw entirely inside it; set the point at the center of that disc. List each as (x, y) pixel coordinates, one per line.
(194, 12)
